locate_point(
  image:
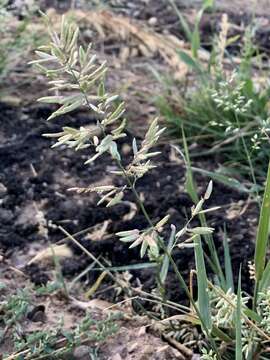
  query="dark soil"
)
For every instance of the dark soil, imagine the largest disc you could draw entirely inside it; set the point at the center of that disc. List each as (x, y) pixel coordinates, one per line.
(35, 178)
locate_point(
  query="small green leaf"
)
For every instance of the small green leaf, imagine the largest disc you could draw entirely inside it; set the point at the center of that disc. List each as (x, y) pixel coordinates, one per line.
(82, 56)
(101, 89)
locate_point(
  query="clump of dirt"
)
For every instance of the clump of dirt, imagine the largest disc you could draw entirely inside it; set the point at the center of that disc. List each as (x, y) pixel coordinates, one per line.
(36, 201)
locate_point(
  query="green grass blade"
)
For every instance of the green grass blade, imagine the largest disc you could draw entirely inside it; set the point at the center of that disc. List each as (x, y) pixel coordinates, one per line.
(253, 315)
(196, 39)
(223, 179)
(166, 261)
(195, 43)
(186, 289)
(220, 334)
(183, 22)
(228, 263)
(203, 294)
(208, 4)
(263, 232)
(126, 267)
(265, 280)
(238, 332)
(192, 191)
(192, 36)
(190, 185)
(190, 61)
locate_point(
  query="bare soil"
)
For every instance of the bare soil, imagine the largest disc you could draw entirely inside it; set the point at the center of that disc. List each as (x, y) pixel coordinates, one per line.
(130, 340)
(34, 183)
(37, 179)
(35, 201)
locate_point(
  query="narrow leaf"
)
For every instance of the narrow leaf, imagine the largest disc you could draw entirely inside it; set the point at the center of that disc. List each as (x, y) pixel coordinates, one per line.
(165, 263)
(128, 267)
(265, 280)
(228, 263)
(190, 61)
(238, 350)
(263, 231)
(203, 294)
(224, 179)
(183, 22)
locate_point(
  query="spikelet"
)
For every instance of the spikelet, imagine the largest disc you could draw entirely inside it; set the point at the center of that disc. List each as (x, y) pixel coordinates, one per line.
(222, 41)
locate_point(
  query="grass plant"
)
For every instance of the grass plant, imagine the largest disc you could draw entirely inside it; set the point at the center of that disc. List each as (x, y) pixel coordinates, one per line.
(230, 326)
(226, 111)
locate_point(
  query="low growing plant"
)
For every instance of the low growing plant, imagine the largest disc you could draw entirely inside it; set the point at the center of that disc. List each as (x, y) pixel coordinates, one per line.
(53, 342)
(232, 329)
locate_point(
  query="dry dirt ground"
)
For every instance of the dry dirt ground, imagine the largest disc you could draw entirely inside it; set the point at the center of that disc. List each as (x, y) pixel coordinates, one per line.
(132, 340)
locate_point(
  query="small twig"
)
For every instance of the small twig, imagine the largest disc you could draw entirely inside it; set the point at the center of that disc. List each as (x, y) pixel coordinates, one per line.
(239, 134)
(187, 353)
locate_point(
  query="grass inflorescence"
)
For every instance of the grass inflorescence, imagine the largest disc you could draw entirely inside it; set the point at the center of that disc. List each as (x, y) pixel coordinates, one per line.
(233, 324)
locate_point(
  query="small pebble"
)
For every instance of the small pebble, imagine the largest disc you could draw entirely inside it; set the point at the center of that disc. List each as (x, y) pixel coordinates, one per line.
(196, 357)
(3, 190)
(37, 314)
(81, 353)
(126, 149)
(152, 21)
